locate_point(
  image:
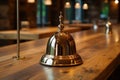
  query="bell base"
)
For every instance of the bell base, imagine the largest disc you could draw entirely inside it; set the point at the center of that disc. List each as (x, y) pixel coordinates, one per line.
(69, 60)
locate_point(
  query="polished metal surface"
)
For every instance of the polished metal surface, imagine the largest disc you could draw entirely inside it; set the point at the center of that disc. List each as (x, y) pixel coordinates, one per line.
(61, 49)
(108, 29)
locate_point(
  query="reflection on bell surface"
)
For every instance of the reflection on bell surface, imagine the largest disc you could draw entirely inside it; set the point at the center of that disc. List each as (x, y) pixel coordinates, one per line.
(61, 49)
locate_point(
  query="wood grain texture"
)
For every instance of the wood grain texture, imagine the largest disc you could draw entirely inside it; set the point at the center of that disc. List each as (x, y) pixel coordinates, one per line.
(34, 33)
(100, 54)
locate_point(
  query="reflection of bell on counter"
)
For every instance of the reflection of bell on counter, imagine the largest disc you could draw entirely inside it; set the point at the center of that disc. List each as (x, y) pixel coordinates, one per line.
(108, 27)
(61, 49)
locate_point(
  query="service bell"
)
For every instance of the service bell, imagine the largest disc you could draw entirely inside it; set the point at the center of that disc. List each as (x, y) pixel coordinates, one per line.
(108, 27)
(61, 49)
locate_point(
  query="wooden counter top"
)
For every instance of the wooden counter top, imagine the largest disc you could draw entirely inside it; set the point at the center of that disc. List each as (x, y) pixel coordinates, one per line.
(37, 33)
(82, 25)
(100, 54)
(34, 33)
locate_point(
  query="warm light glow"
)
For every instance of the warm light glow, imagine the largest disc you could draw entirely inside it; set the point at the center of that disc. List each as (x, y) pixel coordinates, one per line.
(24, 23)
(106, 1)
(85, 6)
(108, 24)
(48, 2)
(67, 5)
(31, 1)
(77, 5)
(116, 1)
(116, 35)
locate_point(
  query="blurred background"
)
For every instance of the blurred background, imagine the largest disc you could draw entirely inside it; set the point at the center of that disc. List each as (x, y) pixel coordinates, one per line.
(44, 13)
(41, 13)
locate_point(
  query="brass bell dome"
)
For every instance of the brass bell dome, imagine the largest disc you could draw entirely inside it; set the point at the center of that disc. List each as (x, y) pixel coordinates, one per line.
(61, 49)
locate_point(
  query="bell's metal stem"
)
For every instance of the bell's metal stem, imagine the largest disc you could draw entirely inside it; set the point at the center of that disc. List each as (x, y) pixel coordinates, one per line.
(60, 26)
(60, 18)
